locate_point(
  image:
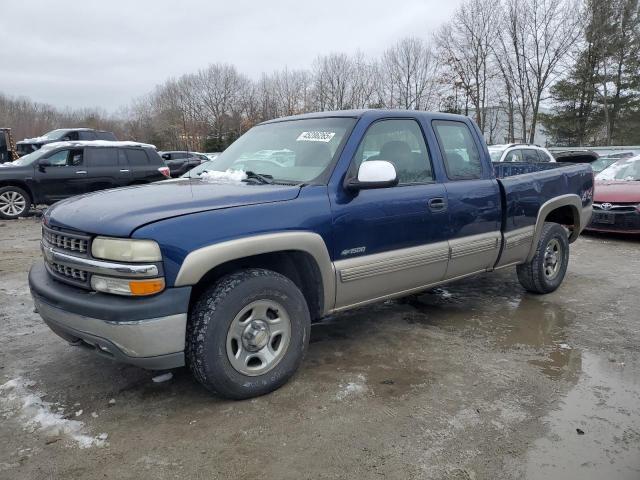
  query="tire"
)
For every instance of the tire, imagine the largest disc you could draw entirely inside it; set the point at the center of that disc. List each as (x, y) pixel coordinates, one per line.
(227, 328)
(546, 270)
(14, 203)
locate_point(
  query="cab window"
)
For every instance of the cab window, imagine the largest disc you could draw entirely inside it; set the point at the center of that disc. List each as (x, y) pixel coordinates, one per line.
(459, 151)
(400, 142)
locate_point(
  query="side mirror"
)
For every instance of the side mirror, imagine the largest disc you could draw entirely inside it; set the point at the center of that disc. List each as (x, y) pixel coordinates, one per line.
(166, 156)
(374, 174)
(42, 164)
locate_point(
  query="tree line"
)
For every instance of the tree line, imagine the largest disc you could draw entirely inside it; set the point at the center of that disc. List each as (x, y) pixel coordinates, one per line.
(568, 67)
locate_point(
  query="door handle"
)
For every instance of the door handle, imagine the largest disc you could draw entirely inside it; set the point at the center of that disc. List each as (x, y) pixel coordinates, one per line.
(124, 170)
(437, 204)
(81, 172)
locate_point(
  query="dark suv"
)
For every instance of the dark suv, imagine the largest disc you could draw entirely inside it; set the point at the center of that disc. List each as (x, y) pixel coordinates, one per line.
(29, 145)
(63, 169)
(180, 162)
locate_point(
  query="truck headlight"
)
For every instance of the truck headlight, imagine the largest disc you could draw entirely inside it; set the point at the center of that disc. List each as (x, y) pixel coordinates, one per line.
(127, 286)
(126, 249)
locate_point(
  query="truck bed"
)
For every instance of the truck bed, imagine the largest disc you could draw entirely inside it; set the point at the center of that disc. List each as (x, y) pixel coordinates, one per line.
(525, 187)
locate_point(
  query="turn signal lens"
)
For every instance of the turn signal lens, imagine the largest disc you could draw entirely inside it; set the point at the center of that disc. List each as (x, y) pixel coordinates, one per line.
(127, 286)
(146, 287)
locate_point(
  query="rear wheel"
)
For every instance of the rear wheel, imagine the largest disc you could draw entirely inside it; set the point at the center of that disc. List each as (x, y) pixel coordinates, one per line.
(546, 270)
(247, 334)
(14, 202)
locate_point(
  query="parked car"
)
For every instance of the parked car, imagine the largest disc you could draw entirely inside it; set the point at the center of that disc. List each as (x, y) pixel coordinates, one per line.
(29, 145)
(64, 169)
(228, 277)
(180, 162)
(616, 203)
(601, 163)
(520, 152)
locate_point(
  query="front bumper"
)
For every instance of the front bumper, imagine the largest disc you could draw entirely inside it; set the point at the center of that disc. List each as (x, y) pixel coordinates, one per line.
(148, 331)
(615, 221)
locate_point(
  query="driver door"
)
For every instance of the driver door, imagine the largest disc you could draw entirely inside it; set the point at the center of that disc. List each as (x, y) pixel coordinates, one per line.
(390, 240)
(64, 175)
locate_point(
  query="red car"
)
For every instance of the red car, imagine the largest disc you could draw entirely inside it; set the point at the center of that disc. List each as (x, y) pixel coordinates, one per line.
(616, 200)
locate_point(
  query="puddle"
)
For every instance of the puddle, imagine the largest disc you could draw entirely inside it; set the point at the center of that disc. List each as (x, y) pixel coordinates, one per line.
(605, 405)
(511, 320)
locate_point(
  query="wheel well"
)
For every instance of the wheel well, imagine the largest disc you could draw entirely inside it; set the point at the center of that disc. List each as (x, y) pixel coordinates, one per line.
(565, 215)
(299, 267)
(16, 183)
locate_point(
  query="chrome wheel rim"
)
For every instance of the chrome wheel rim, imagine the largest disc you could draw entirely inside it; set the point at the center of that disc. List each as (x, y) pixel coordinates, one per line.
(12, 203)
(552, 259)
(258, 337)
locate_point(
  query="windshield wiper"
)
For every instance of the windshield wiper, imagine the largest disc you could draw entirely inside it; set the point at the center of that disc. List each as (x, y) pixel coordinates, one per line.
(260, 177)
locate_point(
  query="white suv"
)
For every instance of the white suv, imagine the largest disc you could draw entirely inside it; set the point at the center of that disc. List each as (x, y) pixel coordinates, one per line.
(520, 152)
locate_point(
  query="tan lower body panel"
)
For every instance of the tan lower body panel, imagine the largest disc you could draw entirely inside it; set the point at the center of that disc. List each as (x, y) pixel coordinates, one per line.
(517, 245)
(474, 253)
(371, 277)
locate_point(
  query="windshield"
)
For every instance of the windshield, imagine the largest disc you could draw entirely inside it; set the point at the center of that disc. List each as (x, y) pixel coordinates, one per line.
(626, 170)
(30, 158)
(496, 153)
(298, 151)
(602, 163)
(209, 166)
(54, 134)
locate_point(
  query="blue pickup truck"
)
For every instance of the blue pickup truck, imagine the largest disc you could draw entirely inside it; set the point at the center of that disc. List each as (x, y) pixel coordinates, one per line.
(225, 272)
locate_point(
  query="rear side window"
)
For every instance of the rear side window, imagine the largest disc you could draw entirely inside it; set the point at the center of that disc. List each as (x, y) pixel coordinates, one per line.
(137, 157)
(530, 155)
(513, 156)
(102, 157)
(459, 150)
(105, 136)
(154, 157)
(542, 156)
(86, 135)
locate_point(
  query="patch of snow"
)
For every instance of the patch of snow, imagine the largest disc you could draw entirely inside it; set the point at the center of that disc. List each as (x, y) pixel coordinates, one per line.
(78, 413)
(94, 414)
(112, 401)
(162, 378)
(19, 399)
(565, 346)
(228, 176)
(353, 389)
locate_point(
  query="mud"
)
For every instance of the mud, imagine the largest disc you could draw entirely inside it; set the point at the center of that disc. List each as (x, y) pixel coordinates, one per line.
(476, 380)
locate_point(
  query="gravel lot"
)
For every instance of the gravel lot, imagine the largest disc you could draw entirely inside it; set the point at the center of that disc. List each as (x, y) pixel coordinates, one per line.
(478, 380)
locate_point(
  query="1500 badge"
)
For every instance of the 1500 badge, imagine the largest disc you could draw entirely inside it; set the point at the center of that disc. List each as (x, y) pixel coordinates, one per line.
(352, 251)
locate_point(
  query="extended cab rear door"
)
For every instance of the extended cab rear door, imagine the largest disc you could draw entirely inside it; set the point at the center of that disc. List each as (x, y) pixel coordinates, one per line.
(473, 197)
(390, 240)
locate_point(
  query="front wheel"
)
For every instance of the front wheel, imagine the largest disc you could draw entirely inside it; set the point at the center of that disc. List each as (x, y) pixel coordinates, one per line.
(14, 202)
(546, 270)
(247, 334)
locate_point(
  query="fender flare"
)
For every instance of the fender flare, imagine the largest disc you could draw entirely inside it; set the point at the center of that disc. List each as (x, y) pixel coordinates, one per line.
(581, 216)
(202, 260)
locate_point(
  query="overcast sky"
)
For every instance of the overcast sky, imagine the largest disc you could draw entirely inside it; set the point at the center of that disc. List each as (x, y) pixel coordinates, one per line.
(85, 54)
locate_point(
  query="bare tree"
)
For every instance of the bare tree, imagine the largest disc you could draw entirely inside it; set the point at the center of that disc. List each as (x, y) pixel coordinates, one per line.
(409, 69)
(466, 45)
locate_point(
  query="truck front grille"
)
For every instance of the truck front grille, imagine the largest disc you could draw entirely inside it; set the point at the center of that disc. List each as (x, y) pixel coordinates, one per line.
(68, 272)
(66, 241)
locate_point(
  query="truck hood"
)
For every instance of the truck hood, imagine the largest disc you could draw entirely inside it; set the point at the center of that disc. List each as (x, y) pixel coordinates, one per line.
(120, 211)
(613, 191)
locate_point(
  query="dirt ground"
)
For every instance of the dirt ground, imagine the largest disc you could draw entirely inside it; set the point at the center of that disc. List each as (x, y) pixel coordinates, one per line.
(477, 380)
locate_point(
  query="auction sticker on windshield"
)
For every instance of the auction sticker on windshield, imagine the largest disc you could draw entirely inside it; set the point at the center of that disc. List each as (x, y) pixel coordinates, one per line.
(315, 137)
